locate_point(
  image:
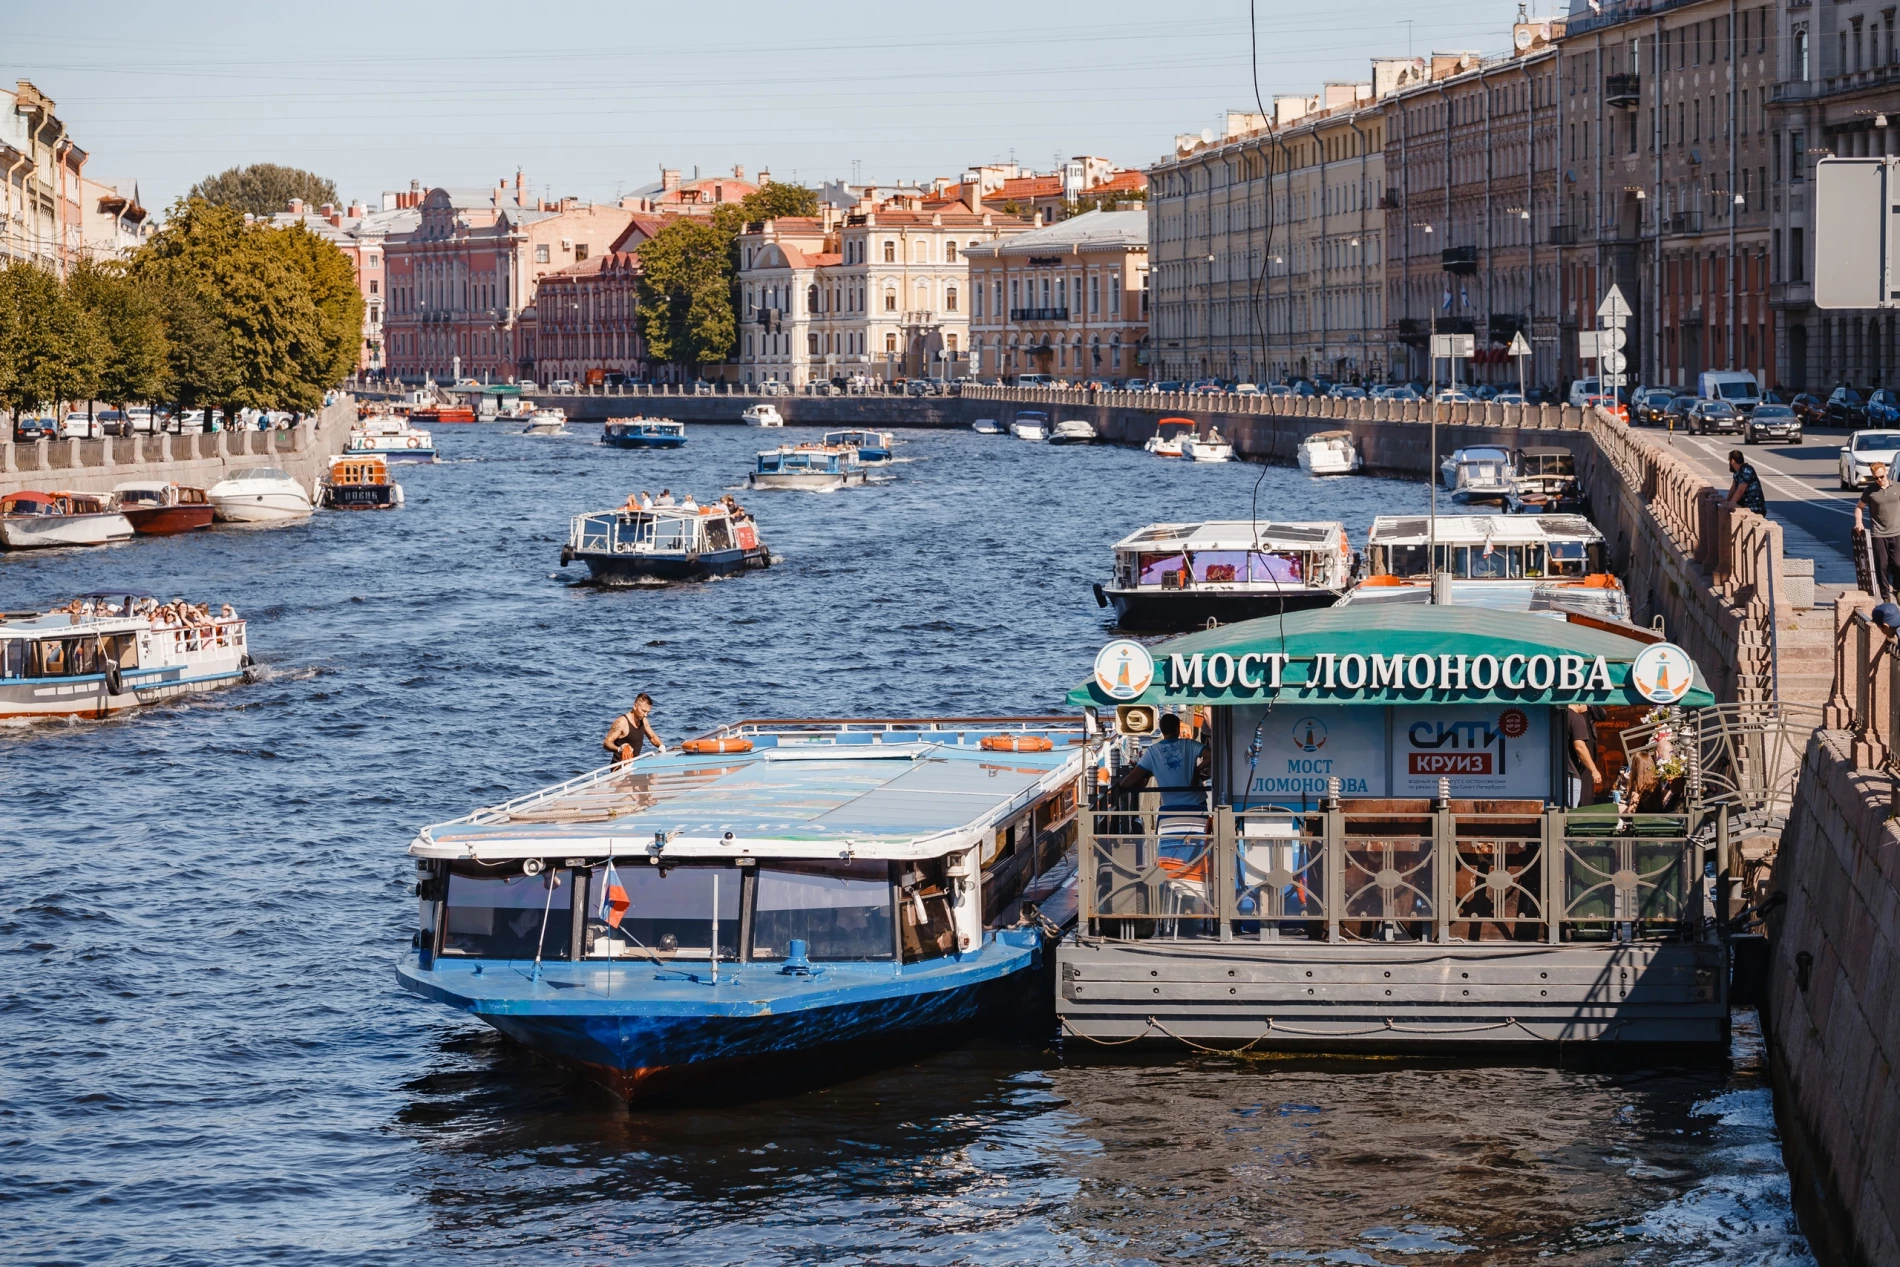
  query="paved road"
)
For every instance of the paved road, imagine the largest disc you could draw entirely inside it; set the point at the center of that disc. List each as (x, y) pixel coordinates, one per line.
(1802, 485)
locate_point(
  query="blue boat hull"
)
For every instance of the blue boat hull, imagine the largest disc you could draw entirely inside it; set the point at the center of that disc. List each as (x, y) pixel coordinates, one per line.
(609, 568)
(644, 442)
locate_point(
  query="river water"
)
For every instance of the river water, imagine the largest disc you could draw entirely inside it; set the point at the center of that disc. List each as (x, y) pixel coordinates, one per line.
(204, 1057)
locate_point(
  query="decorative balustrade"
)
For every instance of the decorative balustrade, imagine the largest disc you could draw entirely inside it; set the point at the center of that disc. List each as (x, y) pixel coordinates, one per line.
(46, 454)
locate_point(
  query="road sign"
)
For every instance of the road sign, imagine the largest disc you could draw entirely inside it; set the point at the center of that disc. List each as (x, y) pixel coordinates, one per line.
(1613, 380)
(1613, 362)
(1856, 232)
(1586, 345)
(1450, 346)
(1518, 346)
(1614, 337)
(1614, 310)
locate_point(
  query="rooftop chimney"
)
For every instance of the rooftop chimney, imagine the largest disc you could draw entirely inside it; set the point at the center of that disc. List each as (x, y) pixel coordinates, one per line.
(296, 206)
(669, 179)
(521, 188)
(327, 210)
(738, 171)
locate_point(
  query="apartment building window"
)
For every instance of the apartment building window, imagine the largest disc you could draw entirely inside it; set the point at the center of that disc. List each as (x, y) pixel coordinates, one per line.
(890, 251)
(373, 284)
(949, 298)
(541, 253)
(1775, 242)
(1698, 120)
(890, 301)
(580, 251)
(1797, 159)
(890, 343)
(1095, 294)
(1801, 53)
(1797, 255)
(976, 296)
(950, 252)
(1015, 295)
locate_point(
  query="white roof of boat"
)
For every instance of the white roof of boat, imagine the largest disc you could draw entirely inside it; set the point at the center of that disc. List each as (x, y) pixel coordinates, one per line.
(708, 511)
(875, 793)
(34, 626)
(1236, 534)
(142, 486)
(1480, 529)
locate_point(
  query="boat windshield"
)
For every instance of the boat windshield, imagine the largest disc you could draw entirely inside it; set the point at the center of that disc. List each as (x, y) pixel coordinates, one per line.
(1220, 567)
(259, 473)
(503, 916)
(670, 912)
(840, 910)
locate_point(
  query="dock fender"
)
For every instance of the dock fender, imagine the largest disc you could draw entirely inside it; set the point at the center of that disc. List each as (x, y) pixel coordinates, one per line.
(1101, 599)
(567, 555)
(114, 685)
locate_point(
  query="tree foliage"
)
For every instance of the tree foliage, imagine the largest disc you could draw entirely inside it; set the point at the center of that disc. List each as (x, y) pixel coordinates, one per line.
(136, 351)
(686, 294)
(770, 201)
(263, 189)
(50, 346)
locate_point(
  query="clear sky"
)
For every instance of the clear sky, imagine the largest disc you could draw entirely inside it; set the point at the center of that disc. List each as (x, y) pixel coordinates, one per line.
(591, 99)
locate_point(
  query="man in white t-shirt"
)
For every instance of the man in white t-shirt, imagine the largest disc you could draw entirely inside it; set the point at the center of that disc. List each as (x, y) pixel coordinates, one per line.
(1176, 765)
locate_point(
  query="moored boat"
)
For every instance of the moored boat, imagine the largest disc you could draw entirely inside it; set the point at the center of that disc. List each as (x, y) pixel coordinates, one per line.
(392, 438)
(1168, 436)
(1177, 577)
(987, 427)
(1030, 424)
(359, 482)
(1525, 563)
(1479, 475)
(442, 413)
(1545, 482)
(1329, 453)
(159, 508)
(809, 466)
(644, 433)
(259, 494)
(874, 447)
(109, 656)
(636, 543)
(1211, 447)
(772, 895)
(762, 415)
(546, 422)
(37, 521)
(1073, 431)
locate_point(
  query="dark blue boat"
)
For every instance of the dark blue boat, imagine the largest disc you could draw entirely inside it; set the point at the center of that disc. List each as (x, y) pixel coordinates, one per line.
(644, 433)
(665, 543)
(779, 894)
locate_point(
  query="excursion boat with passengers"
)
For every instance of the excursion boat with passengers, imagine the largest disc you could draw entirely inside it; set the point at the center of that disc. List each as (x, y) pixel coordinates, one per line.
(809, 466)
(1526, 563)
(644, 433)
(1176, 577)
(1545, 483)
(651, 544)
(874, 447)
(108, 657)
(391, 438)
(39, 521)
(160, 508)
(771, 897)
(359, 482)
(1387, 853)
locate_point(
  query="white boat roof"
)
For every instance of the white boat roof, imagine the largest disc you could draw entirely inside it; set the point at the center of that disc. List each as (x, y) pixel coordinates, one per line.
(59, 622)
(710, 510)
(1481, 529)
(885, 790)
(1237, 534)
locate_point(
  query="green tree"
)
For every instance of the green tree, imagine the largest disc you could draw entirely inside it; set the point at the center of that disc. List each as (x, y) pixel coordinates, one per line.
(337, 304)
(770, 201)
(126, 317)
(263, 189)
(686, 294)
(50, 348)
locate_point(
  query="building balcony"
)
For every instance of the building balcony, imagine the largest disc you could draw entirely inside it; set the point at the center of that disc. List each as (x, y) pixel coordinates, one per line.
(920, 317)
(1683, 222)
(1563, 235)
(1622, 91)
(1038, 314)
(1462, 260)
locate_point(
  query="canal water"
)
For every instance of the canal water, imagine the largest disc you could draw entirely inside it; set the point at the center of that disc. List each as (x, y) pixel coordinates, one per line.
(204, 1057)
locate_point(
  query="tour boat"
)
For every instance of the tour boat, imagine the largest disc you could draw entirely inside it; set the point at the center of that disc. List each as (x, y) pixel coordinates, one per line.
(770, 900)
(1525, 563)
(1329, 453)
(812, 466)
(762, 416)
(1168, 437)
(1073, 431)
(358, 482)
(442, 413)
(1030, 424)
(1481, 474)
(34, 521)
(1176, 577)
(664, 543)
(158, 508)
(105, 661)
(987, 427)
(1545, 483)
(1209, 448)
(546, 422)
(644, 433)
(874, 447)
(392, 438)
(259, 494)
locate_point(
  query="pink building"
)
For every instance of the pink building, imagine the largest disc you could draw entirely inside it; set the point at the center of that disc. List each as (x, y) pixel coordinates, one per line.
(586, 315)
(362, 235)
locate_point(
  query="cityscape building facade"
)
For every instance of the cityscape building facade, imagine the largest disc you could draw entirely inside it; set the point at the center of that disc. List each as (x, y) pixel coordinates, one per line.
(362, 235)
(586, 316)
(42, 219)
(1068, 300)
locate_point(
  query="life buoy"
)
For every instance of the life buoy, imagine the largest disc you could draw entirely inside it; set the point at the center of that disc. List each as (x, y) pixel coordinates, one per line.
(1016, 743)
(1600, 581)
(1382, 579)
(415, 442)
(703, 747)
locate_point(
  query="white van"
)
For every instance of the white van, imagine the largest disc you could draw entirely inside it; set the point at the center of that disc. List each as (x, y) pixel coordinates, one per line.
(1582, 389)
(1737, 387)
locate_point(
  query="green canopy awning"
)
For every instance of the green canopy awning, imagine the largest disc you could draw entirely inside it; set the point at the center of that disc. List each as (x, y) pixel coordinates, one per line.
(1397, 654)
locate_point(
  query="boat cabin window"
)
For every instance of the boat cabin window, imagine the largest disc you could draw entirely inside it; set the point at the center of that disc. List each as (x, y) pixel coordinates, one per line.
(501, 916)
(597, 532)
(669, 913)
(718, 533)
(1480, 563)
(1401, 560)
(1575, 558)
(926, 922)
(840, 910)
(672, 534)
(63, 657)
(13, 657)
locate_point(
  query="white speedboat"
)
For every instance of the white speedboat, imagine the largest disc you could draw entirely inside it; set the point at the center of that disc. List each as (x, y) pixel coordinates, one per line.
(546, 422)
(1030, 424)
(762, 416)
(1169, 433)
(35, 521)
(390, 438)
(1484, 474)
(258, 494)
(1329, 453)
(1211, 447)
(987, 427)
(1072, 431)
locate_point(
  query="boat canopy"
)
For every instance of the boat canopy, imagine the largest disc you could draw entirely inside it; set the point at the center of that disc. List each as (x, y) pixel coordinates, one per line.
(1329, 437)
(1399, 654)
(884, 791)
(1235, 534)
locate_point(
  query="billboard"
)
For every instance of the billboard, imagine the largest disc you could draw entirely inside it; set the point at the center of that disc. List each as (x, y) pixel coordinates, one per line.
(1300, 749)
(1486, 750)
(1285, 756)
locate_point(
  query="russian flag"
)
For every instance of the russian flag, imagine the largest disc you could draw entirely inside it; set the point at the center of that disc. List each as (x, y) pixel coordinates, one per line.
(614, 902)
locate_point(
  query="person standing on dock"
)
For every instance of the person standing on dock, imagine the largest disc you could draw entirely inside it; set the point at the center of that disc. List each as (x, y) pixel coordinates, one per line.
(1881, 504)
(1175, 764)
(1580, 757)
(632, 731)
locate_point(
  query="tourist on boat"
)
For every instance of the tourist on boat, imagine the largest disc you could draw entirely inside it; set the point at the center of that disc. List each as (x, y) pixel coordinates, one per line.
(1580, 756)
(646, 500)
(631, 731)
(1176, 765)
(666, 497)
(690, 504)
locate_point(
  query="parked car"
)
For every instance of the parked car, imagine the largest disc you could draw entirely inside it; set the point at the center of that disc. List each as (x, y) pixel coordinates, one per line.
(1135, 385)
(1883, 407)
(1508, 398)
(1034, 380)
(1404, 391)
(1862, 450)
(562, 387)
(1582, 389)
(1845, 408)
(1484, 391)
(1810, 409)
(1346, 391)
(1771, 422)
(1169, 386)
(139, 420)
(1205, 387)
(772, 387)
(527, 385)
(1649, 404)
(1717, 416)
(79, 426)
(27, 430)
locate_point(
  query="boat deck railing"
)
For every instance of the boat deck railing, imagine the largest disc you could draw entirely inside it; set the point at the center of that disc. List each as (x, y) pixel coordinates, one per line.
(1405, 874)
(193, 643)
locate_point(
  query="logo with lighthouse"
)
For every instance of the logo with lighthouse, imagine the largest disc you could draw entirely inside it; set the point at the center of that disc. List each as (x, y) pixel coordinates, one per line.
(1662, 673)
(1124, 669)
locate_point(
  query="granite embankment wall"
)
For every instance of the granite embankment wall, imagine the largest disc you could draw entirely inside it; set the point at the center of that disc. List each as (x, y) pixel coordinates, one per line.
(96, 466)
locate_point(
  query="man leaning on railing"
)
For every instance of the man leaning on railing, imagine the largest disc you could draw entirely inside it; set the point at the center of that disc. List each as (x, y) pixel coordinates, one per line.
(1177, 766)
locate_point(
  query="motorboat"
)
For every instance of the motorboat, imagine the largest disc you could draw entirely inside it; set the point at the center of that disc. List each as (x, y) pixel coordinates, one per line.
(1169, 433)
(1212, 447)
(1545, 483)
(545, 422)
(517, 410)
(1524, 563)
(1329, 453)
(1177, 577)
(259, 494)
(637, 543)
(1030, 424)
(442, 413)
(36, 521)
(1073, 431)
(768, 897)
(1481, 474)
(359, 482)
(106, 658)
(987, 427)
(644, 433)
(874, 447)
(159, 508)
(391, 438)
(762, 415)
(809, 466)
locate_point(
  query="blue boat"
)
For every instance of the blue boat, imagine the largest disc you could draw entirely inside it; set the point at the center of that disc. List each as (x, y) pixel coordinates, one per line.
(874, 447)
(773, 894)
(637, 544)
(811, 466)
(644, 433)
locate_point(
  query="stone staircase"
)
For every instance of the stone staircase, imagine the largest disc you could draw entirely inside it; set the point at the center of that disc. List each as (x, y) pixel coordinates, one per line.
(1806, 645)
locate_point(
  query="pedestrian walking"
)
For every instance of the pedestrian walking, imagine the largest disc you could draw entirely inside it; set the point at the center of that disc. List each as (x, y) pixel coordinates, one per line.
(1878, 513)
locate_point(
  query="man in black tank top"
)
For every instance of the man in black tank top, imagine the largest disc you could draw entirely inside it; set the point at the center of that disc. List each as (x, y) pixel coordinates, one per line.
(632, 731)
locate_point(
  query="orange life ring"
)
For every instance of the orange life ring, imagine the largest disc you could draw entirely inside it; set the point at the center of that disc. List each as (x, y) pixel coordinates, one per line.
(1382, 579)
(1600, 581)
(1016, 743)
(703, 747)
(415, 442)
